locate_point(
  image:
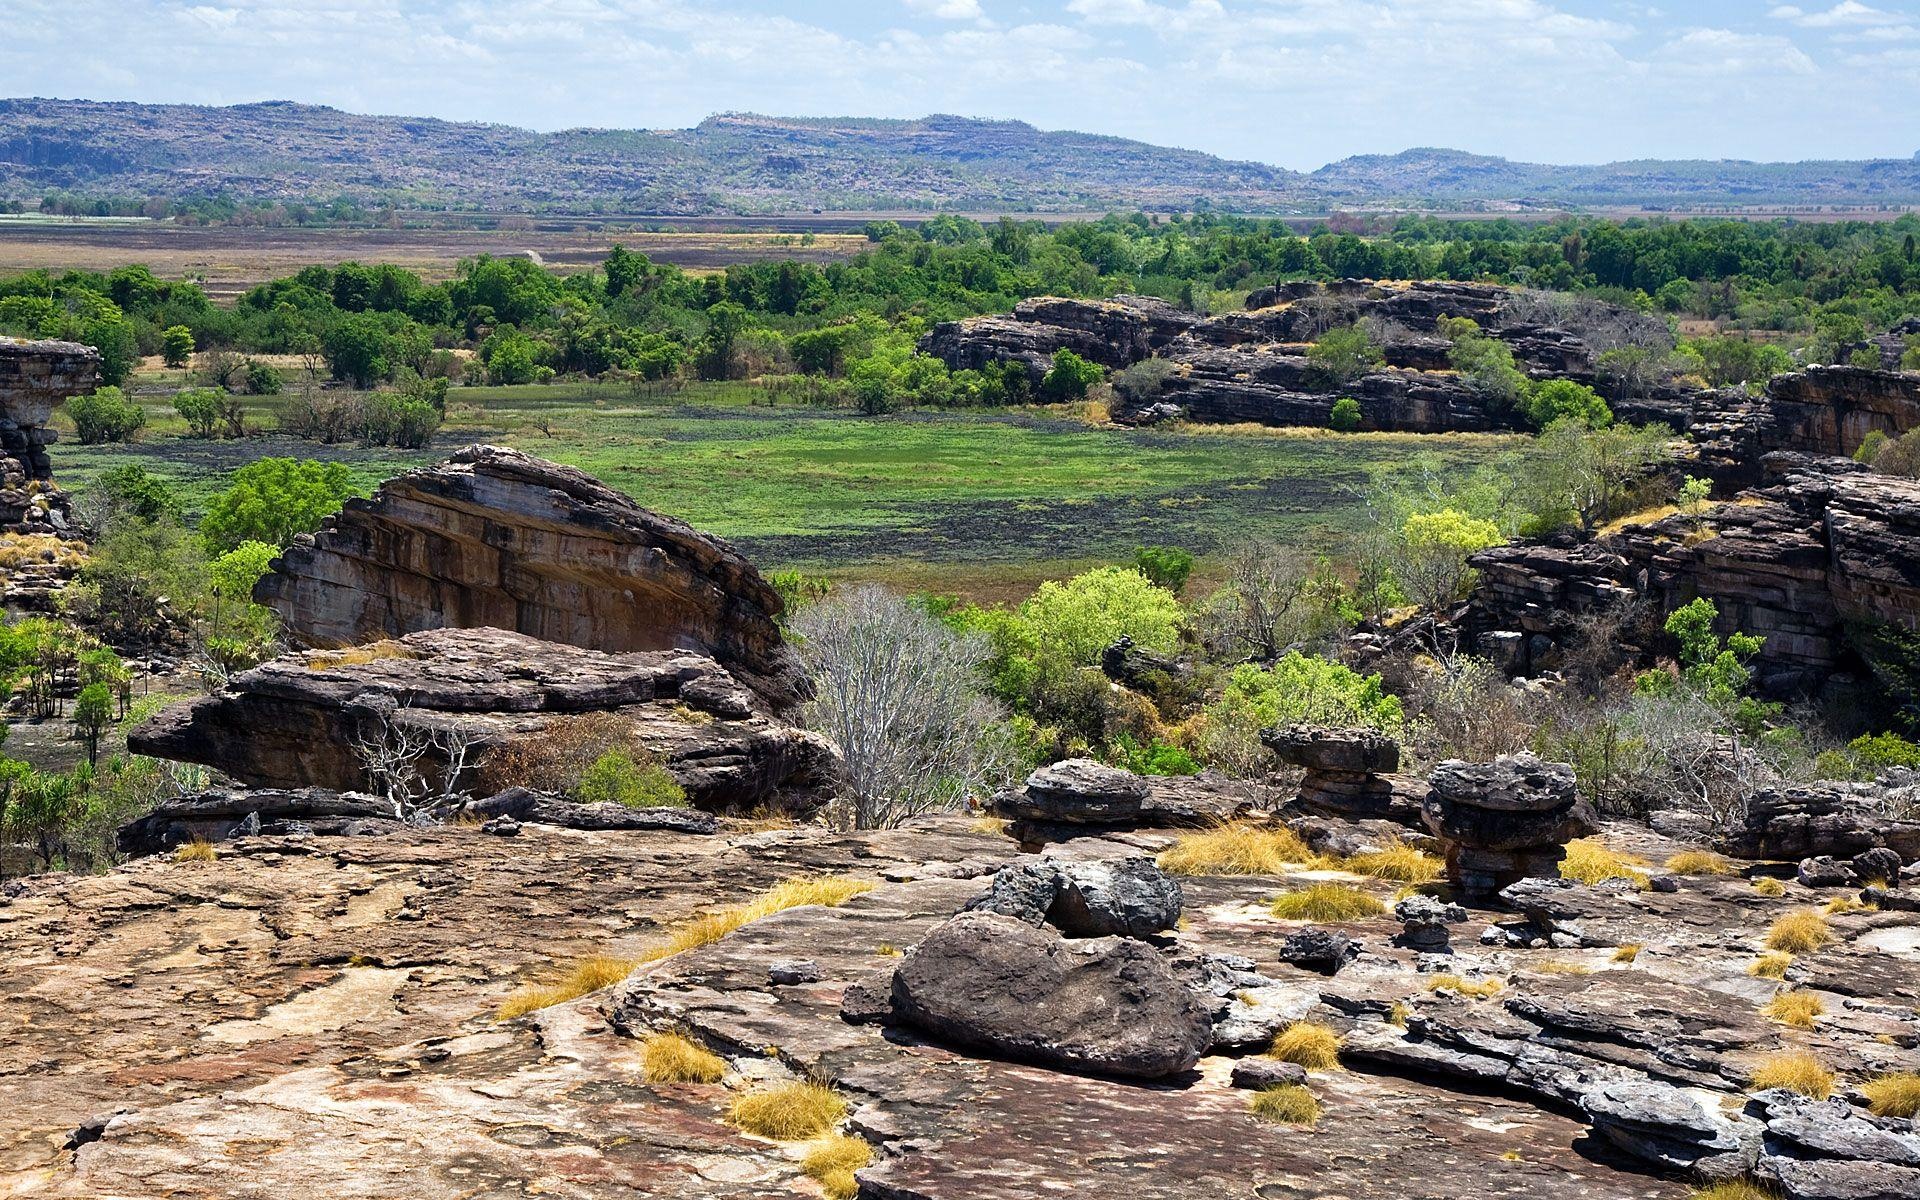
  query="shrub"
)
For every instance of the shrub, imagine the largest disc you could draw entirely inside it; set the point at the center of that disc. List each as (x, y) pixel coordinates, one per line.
(1893, 1095)
(1873, 753)
(1342, 356)
(1698, 862)
(671, 1058)
(275, 499)
(1286, 1104)
(1590, 862)
(898, 694)
(176, 345)
(1070, 377)
(1799, 932)
(617, 778)
(209, 412)
(1559, 399)
(263, 379)
(1326, 902)
(1308, 1043)
(1795, 1009)
(1433, 551)
(1794, 1070)
(788, 1112)
(1240, 848)
(1345, 416)
(1079, 619)
(831, 1162)
(105, 415)
(585, 976)
(1165, 566)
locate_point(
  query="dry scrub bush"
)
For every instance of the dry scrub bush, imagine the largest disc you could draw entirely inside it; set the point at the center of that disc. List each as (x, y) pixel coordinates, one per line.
(788, 1112)
(1771, 965)
(1794, 1070)
(1560, 966)
(587, 975)
(1590, 862)
(1473, 991)
(1795, 1009)
(1698, 862)
(197, 850)
(1850, 904)
(1766, 885)
(1398, 862)
(359, 656)
(1240, 848)
(1799, 932)
(1308, 1043)
(898, 694)
(1286, 1104)
(555, 761)
(19, 550)
(1627, 953)
(1326, 902)
(831, 1162)
(1893, 1095)
(1733, 1189)
(830, 890)
(671, 1058)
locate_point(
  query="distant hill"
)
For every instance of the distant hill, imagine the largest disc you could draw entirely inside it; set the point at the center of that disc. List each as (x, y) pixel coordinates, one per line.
(746, 163)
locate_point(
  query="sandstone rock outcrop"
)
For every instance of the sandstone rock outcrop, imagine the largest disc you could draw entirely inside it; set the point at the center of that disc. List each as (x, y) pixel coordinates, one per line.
(35, 377)
(1349, 772)
(1825, 820)
(1127, 897)
(1114, 333)
(293, 722)
(1083, 796)
(1504, 821)
(1106, 1005)
(1829, 548)
(497, 538)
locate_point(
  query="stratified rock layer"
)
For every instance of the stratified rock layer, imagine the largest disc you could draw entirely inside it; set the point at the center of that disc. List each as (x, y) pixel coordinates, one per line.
(1504, 821)
(494, 537)
(293, 722)
(35, 377)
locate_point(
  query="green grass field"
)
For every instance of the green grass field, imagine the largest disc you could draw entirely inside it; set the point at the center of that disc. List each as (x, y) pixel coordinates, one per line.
(957, 500)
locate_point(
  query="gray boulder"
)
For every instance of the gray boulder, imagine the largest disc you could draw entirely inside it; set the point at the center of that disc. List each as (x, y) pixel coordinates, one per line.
(1664, 1126)
(1128, 896)
(1878, 863)
(1823, 871)
(1108, 1006)
(1321, 950)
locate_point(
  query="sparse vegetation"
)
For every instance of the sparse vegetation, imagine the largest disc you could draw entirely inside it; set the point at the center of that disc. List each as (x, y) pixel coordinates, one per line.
(1472, 989)
(1398, 862)
(1796, 1009)
(1239, 848)
(831, 1162)
(831, 891)
(1767, 885)
(1801, 931)
(1698, 862)
(1308, 1043)
(1794, 1070)
(673, 1058)
(1627, 953)
(788, 1112)
(1326, 902)
(1286, 1104)
(1895, 1095)
(197, 850)
(1590, 862)
(1771, 964)
(585, 976)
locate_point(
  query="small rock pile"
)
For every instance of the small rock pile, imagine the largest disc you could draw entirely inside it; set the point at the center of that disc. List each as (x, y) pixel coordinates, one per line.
(1504, 821)
(1349, 772)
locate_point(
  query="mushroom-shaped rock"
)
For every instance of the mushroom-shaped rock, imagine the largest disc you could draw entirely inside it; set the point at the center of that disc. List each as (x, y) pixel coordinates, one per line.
(1504, 821)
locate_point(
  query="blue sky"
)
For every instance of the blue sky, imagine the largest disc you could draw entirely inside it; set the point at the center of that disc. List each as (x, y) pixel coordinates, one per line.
(1293, 82)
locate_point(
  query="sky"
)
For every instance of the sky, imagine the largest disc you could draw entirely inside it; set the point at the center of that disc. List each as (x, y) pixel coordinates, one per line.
(1298, 83)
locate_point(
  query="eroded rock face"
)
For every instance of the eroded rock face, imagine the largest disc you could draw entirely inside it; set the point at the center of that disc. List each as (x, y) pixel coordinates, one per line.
(293, 722)
(1106, 1005)
(497, 538)
(1824, 820)
(35, 377)
(1114, 333)
(1504, 821)
(1349, 772)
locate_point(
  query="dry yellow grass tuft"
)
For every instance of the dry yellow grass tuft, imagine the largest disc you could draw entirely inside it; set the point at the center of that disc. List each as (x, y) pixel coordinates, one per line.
(830, 890)
(588, 975)
(1627, 953)
(988, 825)
(358, 656)
(18, 550)
(1797, 1009)
(1326, 902)
(1767, 885)
(671, 1058)
(1893, 1095)
(1795, 1070)
(1799, 932)
(1771, 964)
(197, 850)
(1588, 861)
(1308, 1043)
(1850, 904)
(1698, 862)
(1286, 1104)
(788, 1112)
(1398, 1014)
(1733, 1189)
(1240, 848)
(1560, 966)
(1456, 983)
(831, 1162)
(1398, 862)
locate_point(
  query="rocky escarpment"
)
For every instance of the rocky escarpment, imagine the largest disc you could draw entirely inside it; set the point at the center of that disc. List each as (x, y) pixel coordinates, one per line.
(1829, 548)
(35, 377)
(462, 694)
(497, 538)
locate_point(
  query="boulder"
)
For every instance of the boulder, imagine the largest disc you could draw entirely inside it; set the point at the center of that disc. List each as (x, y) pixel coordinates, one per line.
(1504, 821)
(1321, 950)
(1127, 896)
(1258, 1074)
(1425, 921)
(1348, 773)
(1108, 1006)
(1079, 795)
(497, 538)
(1879, 863)
(295, 721)
(1822, 871)
(523, 805)
(1837, 820)
(1667, 1128)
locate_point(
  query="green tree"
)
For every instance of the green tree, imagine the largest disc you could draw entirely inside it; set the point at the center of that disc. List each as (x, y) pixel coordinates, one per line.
(1080, 618)
(1434, 548)
(1342, 356)
(624, 269)
(204, 410)
(1582, 476)
(1070, 377)
(92, 714)
(1345, 416)
(176, 345)
(263, 379)
(1165, 566)
(128, 491)
(274, 499)
(1561, 399)
(105, 415)
(357, 348)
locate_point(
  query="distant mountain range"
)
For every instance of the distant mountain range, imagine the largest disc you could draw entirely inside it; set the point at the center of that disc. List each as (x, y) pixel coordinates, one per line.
(741, 163)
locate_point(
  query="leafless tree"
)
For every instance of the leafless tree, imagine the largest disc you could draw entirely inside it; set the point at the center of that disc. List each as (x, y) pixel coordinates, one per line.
(898, 694)
(1266, 605)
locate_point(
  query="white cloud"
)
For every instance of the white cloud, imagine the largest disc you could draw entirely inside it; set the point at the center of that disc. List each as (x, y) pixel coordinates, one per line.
(948, 10)
(1846, 13)
(1725, 52)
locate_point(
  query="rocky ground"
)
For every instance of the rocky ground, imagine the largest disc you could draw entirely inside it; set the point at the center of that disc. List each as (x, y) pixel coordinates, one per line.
(316, 1016)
